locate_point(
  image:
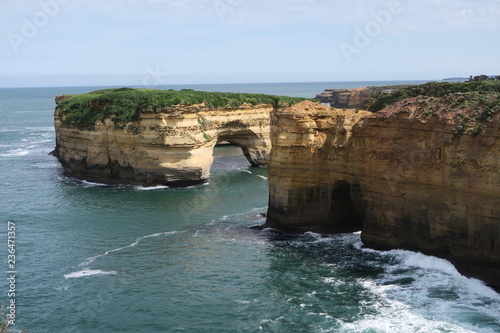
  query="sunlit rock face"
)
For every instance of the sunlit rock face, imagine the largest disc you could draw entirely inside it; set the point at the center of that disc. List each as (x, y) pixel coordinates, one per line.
(305, 193)
(170, 147)
(355, 98)
(408, 177)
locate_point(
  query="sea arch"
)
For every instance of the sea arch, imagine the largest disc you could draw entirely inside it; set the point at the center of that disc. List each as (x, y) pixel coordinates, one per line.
(255, 147)
(170, 148)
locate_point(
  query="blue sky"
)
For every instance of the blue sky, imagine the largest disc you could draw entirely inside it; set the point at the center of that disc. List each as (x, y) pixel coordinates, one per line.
(136, 42)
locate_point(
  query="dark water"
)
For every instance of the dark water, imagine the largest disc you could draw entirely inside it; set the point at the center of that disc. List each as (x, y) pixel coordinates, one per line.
(94, 258)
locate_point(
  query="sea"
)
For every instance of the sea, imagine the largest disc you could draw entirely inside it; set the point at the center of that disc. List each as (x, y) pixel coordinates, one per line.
(86, 257)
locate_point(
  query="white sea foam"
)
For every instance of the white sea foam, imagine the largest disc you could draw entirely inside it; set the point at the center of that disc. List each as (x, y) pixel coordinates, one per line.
(206, 183)
(326, 315)
(88, 272)
(150, 188)
(39, 142)
(15, 152)
(314, 235)
(263, 177)
(431, 287)
(9, 130)
(90, 260)
(414, 259)
(28, 145)
(40, 129)
(239, 301)
(479, 288)
(330, 280)
(248, 171)
(409, 259)
(417, 259)
(47, 165)
(393, 316)
(87, 183)
(471, 285)
(358, 245)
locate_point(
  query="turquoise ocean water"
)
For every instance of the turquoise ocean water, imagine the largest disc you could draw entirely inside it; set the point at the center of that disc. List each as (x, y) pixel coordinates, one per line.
(95, 258)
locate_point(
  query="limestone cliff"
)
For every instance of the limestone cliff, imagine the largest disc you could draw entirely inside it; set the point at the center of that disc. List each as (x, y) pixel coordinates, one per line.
(355, 98)
(163, 145)
(304, 196)
(421, 174)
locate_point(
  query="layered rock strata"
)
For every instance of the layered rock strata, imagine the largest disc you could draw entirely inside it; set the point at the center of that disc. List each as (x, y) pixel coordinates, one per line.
(355, 98)
(174, 146)
(304, 194)
(409, 177)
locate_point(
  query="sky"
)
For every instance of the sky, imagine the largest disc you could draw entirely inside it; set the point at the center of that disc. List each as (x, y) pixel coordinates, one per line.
(153, 42)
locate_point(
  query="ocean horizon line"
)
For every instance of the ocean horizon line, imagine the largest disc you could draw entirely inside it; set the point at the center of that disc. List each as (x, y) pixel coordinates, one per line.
(221, 84)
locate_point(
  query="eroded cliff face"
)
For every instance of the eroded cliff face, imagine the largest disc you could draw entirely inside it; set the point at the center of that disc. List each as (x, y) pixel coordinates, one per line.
(355, 98)
(170, 147)
(304, 195)
(418, 178)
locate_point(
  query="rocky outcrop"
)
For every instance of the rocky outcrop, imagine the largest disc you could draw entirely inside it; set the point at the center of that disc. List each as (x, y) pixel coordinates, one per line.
(352, 98)
(174, 146)
(415, 176)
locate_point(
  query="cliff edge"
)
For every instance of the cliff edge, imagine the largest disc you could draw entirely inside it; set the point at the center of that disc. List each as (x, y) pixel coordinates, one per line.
(422, 173)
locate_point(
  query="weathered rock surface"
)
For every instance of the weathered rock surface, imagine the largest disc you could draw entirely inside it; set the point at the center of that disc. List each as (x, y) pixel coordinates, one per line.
(355, 98)
(304, 195)
(410, 178)
(170, 147)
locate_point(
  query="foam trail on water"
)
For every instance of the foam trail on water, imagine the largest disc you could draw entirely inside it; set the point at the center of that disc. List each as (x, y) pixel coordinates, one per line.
(86, 184)
(88, 272)
(150, 188)
(15, 152)
(40, 129)
(90, 260)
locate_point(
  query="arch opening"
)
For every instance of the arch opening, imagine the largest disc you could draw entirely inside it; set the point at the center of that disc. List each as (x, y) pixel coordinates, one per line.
(254, 147)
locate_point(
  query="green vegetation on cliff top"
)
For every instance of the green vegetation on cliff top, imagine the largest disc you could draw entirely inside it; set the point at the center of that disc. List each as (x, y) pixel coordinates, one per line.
(490, 90)
(475, 103)
(125, 104)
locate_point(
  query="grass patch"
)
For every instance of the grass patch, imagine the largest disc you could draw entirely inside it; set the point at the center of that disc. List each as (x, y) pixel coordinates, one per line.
(124, 105)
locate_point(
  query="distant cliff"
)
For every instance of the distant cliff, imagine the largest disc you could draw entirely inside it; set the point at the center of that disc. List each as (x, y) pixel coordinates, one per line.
(355, 98)
(423, 174)
(150, 137)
